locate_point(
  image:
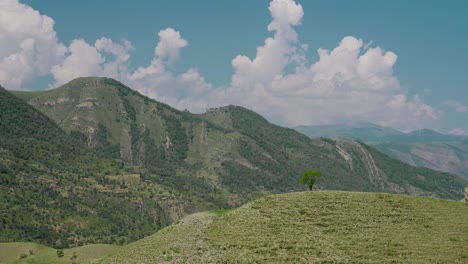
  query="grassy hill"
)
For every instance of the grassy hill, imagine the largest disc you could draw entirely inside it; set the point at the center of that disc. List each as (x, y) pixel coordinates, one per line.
(323, 226)
(32, 253)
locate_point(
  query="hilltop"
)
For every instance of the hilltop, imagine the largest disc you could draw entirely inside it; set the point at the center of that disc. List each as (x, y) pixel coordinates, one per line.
(311, 227)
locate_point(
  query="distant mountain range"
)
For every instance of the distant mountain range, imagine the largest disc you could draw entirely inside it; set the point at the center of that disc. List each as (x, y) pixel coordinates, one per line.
(94, 161)
(428, 148)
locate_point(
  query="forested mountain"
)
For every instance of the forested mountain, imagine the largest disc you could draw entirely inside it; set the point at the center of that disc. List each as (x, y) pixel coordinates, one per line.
(57, 191)
(119, 165)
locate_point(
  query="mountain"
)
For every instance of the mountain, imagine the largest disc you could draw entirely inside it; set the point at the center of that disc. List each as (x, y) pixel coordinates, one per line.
(310, 227)
(366, 132)
(425, 147)
(141, 164)
(450, 156)
(373, 133)
(234, 150)
(57, 191)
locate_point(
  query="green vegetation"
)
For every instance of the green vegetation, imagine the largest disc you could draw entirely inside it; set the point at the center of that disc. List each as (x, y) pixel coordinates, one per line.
(117, 166)
(308, 178)
(309, 227)
(20, 253)
(60, 253)
(55, 191)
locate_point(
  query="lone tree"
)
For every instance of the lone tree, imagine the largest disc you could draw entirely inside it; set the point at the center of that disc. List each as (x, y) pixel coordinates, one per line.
(309, 177)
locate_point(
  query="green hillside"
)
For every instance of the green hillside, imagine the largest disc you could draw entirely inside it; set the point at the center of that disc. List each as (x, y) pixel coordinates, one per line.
(32, 253)
(309, 227)
(231, 154)
(349, 165)
(56, 191)
(117, 166)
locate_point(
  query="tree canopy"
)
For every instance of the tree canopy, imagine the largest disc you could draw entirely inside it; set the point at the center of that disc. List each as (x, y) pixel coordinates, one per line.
(309, 177)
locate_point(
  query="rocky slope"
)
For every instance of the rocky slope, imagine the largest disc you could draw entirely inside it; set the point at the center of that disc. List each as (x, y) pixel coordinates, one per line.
(427, 148)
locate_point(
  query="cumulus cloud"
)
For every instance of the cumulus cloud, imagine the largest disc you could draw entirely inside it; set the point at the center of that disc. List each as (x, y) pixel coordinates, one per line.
(28, 44)
(84, 59)
(351, 82)
(156, 81)
(457, 106)
(170, 43)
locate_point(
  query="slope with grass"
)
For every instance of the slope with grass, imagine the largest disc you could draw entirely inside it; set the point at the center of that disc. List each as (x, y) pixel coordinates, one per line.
(32, 253)
(323, 226)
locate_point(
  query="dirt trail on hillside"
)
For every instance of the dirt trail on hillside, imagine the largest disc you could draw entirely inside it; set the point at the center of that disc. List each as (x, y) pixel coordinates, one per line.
(176, 243)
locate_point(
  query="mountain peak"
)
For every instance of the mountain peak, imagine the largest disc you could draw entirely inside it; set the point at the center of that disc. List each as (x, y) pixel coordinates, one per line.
(83, 82)
(424, 132)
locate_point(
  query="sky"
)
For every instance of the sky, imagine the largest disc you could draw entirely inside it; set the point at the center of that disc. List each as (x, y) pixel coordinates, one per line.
(395, 63)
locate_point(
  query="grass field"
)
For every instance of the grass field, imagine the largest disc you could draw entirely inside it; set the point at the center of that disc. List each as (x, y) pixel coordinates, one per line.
(314, 227)
(37, 254)
(306, 227)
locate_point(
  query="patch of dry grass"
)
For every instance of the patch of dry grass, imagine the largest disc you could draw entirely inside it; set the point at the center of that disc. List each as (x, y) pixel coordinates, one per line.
(37, 254)
(315, 227)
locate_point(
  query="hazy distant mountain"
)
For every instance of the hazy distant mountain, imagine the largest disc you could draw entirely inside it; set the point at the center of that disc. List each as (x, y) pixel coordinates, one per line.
(425, 147)
(373, 133)
(361, 131)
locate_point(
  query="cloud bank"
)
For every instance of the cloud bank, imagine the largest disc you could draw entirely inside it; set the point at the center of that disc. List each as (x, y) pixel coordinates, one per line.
(352, 82)
(28, 44)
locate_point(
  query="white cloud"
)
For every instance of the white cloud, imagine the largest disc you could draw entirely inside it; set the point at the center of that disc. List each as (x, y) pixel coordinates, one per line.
(457, 106)
(84, 59)
(28, 44)
(158, 82)
(352, 82)
(170, 43)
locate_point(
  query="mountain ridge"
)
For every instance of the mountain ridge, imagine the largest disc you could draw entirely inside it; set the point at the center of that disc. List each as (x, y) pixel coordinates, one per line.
(424, 147)
(227, 142)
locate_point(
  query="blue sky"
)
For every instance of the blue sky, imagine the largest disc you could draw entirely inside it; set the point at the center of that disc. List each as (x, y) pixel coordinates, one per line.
(424, 85)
